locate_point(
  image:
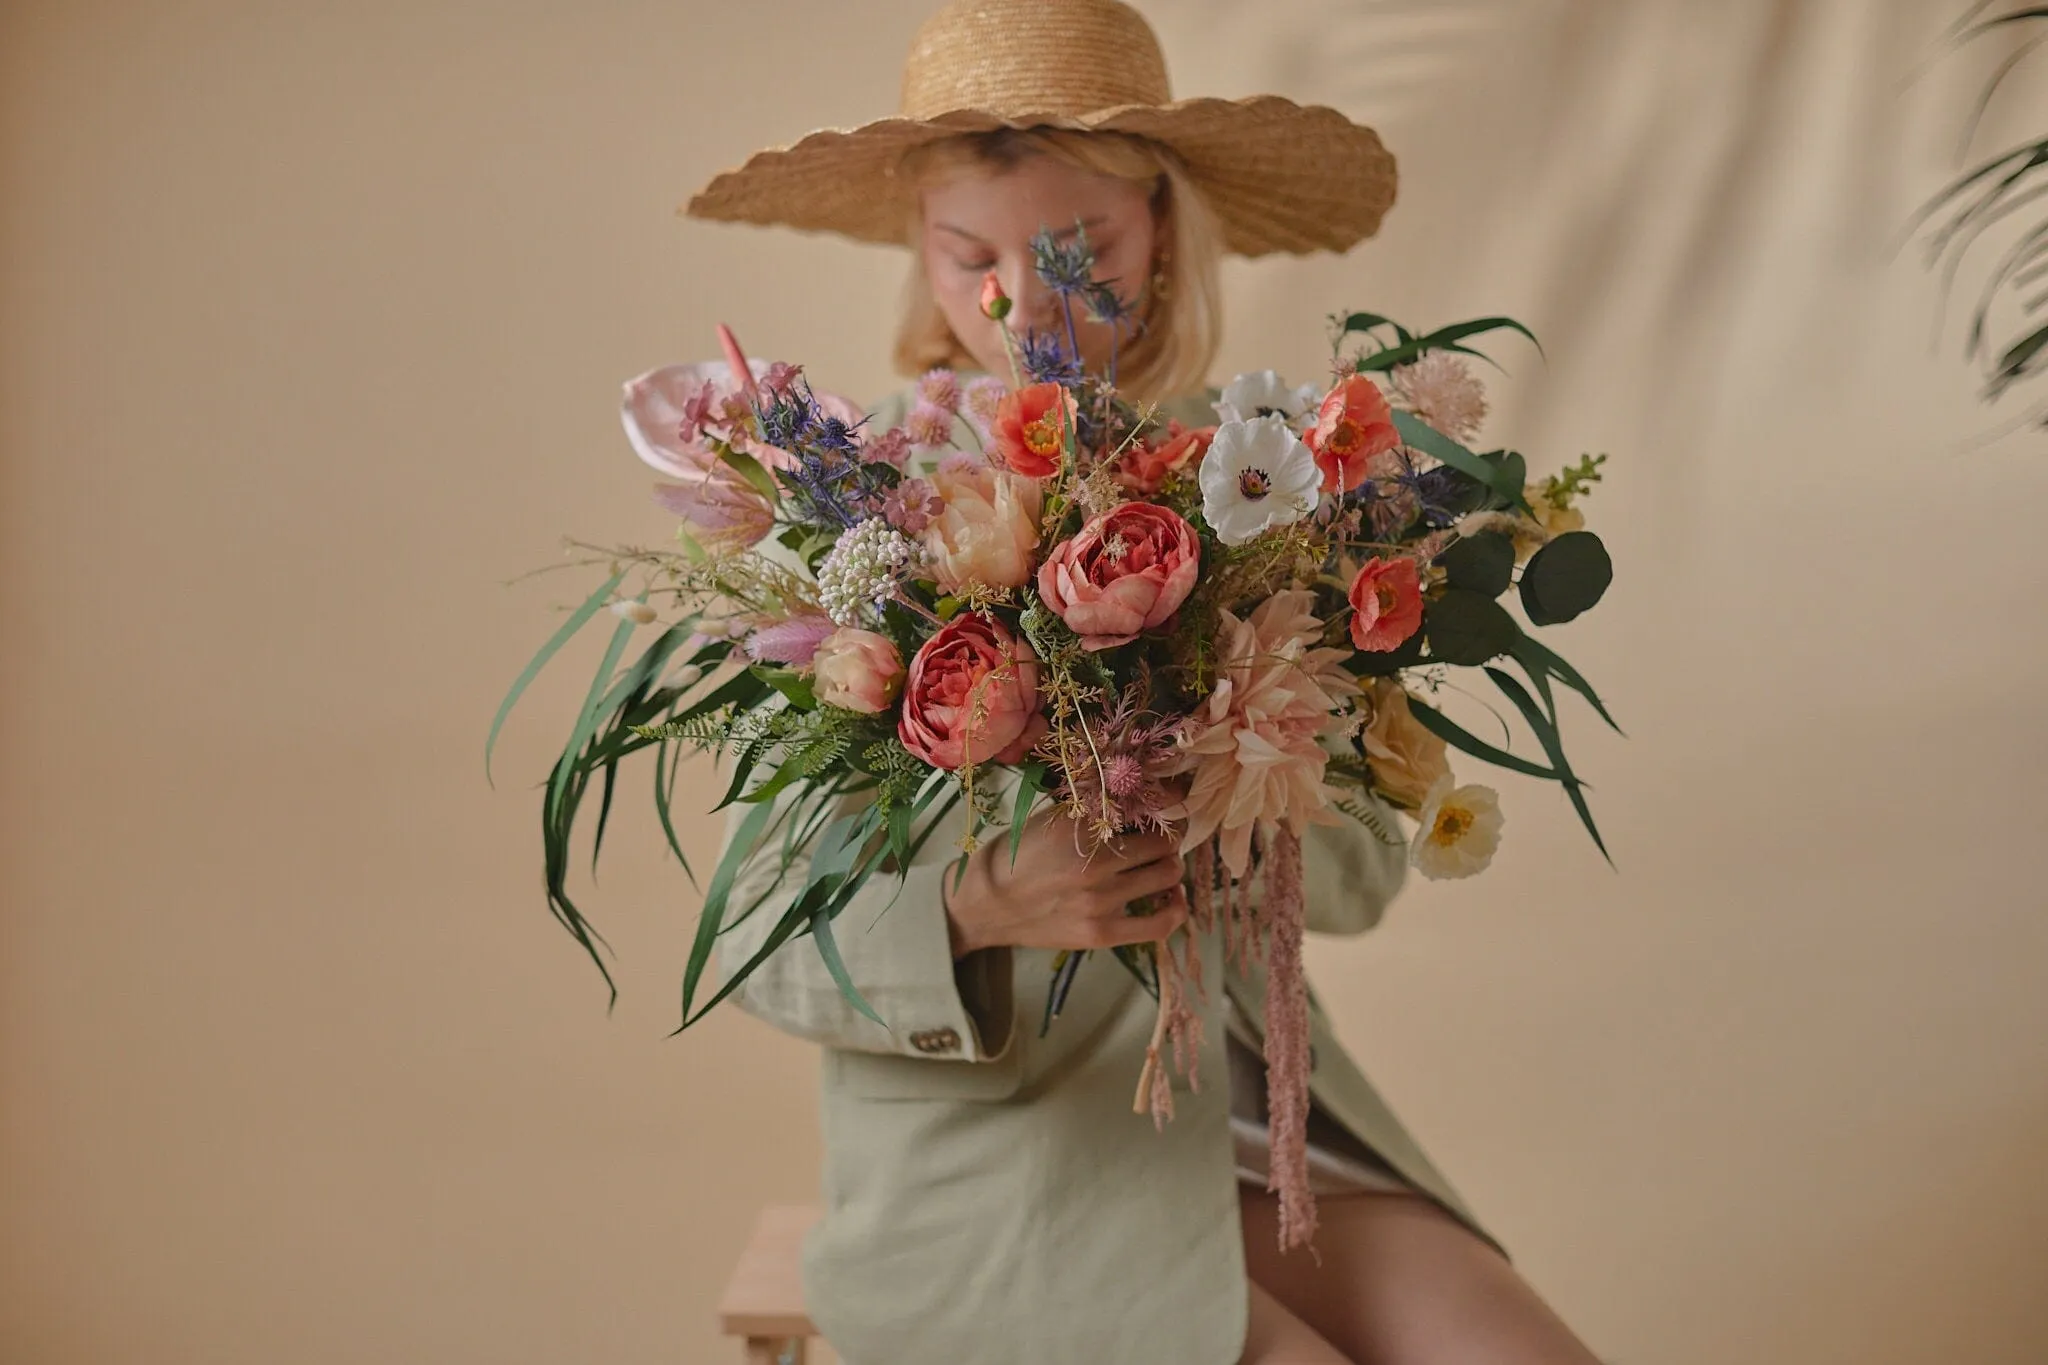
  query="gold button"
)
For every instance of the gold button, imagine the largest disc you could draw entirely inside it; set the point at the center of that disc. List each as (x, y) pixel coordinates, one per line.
(945, 1040)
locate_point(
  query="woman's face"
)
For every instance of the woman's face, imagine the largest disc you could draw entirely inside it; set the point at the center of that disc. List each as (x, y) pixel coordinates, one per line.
(981, 222)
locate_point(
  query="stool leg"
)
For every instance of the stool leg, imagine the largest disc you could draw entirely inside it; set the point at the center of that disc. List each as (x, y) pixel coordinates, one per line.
(772, 1351)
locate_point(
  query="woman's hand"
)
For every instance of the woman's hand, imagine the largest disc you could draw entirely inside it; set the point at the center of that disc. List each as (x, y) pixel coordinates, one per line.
(1055, 894)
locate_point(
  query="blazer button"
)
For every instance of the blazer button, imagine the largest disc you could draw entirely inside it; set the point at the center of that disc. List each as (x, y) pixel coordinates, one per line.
(945, 1040)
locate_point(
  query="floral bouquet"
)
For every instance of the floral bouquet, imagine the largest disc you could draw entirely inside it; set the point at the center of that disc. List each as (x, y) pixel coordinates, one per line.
(1042, 588)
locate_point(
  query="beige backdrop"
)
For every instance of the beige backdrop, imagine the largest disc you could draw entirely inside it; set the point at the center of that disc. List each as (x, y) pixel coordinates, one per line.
(312, 320)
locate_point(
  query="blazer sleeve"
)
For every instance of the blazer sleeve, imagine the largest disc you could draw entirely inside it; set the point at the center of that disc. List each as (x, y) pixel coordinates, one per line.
(894, 940)
(1350, 873)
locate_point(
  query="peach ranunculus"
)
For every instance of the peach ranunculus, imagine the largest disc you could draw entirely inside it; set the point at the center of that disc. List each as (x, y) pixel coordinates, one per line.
(1386, 604)
(1125, 571)
(1353, 425)
(971, 696)
(1146, 466)
(987, 527)
(857, 670)
(1031, 429)
(1406, 759)
(1254, 744)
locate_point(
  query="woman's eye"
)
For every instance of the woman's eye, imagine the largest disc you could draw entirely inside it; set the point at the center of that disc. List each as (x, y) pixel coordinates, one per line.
(976, 267)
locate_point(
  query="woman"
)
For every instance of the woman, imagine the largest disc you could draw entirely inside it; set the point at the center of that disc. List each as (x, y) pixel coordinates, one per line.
(990, 1197)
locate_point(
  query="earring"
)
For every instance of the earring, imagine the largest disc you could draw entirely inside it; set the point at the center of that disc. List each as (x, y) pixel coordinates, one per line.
(1161, 285)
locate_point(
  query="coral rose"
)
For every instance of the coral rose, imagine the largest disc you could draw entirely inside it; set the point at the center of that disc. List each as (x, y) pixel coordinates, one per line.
(1127, 570)
(1406, 759)
(1145, 467)
(1031, 429)
(1353, 425)
(857, 670)
(986, 528)
(971, 697)
(1386, 604)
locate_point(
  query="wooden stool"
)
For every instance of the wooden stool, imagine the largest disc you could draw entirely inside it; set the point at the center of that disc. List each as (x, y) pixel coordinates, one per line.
(764, 1299)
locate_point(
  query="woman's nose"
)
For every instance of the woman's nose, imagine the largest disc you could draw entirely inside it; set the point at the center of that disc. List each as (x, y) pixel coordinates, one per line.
(1031, 303)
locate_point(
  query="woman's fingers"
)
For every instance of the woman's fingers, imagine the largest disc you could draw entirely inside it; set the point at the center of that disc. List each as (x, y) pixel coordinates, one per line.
(1133, 850)
(1147, 880)
(1112, 931)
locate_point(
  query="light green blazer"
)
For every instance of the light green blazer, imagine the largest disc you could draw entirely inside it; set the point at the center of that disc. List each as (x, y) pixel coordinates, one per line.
(989, 1195)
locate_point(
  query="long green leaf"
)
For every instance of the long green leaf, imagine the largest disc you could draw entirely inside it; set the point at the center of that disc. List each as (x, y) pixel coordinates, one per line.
(828, 948)
(590, 607)
(1553, 745)
(737, 851)
(1030, 781)
(1443, 339)
(1458, 737)
(1535, 657)
(1419, 435)
(587, 719)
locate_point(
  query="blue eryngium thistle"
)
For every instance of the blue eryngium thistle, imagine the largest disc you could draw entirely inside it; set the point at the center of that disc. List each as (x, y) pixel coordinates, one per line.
(1066, 268)
(1048, 360)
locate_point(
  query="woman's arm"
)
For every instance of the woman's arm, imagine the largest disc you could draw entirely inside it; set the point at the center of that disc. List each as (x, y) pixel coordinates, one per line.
(898, 950)
(931, 952)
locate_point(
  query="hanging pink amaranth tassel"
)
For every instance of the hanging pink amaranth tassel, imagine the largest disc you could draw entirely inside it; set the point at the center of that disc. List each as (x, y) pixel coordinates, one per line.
(1287, 1040)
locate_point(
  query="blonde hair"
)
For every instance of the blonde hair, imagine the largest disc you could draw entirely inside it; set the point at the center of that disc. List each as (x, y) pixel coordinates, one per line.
(1181, 324)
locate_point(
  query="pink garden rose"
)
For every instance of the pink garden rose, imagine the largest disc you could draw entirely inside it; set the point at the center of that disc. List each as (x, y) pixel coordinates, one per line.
(857, 670)
(972, 696)
(1127, 570)
(1386, 604)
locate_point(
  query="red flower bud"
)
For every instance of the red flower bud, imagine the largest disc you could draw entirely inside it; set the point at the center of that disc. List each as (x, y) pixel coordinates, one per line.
(994, 302)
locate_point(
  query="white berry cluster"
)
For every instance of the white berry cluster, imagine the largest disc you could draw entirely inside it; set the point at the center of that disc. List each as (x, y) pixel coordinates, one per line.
(862, 569)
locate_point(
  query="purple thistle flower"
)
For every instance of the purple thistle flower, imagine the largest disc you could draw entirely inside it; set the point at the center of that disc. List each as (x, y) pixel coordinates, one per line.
(1047, 360)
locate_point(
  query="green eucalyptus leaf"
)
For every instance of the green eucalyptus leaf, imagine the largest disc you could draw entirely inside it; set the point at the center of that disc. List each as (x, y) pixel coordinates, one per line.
(1565, 578)
(1484, 563)
(1368, 663)
(1467, 628)
(1553, 745)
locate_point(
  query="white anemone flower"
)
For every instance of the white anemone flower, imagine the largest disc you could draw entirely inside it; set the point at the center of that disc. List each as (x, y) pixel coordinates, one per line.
(1257, 474)
(1460, 829)
(1263, 392)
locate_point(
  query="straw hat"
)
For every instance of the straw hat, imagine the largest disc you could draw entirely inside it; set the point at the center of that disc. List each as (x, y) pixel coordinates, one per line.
(1280, 176)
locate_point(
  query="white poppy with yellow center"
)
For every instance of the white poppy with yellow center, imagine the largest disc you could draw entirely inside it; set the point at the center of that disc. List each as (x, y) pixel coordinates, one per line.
(1460, 829)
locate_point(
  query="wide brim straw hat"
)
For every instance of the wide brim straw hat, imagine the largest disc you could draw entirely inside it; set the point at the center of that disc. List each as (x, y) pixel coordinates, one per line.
(1279, 176)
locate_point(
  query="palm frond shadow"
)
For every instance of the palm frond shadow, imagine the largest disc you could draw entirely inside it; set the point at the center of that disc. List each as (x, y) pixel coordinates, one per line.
(2007, 332)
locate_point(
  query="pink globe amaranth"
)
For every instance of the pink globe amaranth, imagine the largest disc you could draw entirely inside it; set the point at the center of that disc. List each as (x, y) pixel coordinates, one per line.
(1386, 604)
(971, 696)
(1126, 571)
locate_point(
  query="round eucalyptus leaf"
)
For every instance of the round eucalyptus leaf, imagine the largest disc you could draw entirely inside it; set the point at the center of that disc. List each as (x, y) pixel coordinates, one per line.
(1484, 563)
(1566, 577)
(1371, 663)
(1468, 628)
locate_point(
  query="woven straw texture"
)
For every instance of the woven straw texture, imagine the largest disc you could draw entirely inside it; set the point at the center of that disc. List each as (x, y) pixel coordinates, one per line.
(1280, 176)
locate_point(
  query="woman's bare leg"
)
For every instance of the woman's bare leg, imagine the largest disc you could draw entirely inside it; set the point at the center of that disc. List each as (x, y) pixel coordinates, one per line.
(1277, 1337)
(1404, 1283)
